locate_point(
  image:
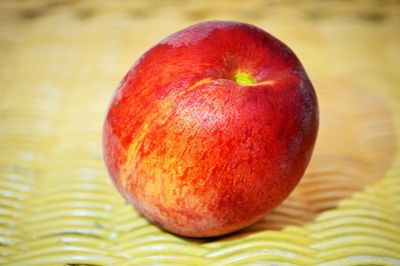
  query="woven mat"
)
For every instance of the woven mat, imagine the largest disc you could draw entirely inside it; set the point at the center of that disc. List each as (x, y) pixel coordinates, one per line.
(60, 63)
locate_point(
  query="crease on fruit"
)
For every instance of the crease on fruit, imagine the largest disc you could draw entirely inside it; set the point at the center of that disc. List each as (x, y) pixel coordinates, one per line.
(266, 82)
(244, 79)
(198, 83)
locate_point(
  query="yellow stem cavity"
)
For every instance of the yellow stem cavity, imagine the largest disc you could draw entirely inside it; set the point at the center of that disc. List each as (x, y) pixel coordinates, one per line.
(242, 78)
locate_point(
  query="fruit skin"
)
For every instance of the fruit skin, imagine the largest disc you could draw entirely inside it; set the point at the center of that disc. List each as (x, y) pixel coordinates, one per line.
(196, 152)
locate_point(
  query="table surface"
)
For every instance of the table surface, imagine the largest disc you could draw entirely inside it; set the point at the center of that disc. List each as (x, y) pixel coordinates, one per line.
(61, 62)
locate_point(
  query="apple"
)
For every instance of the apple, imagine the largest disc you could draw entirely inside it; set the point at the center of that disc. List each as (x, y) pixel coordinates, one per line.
(211, 128)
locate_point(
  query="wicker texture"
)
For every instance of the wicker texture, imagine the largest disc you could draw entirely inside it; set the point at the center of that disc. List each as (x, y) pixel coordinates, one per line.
(60, 63)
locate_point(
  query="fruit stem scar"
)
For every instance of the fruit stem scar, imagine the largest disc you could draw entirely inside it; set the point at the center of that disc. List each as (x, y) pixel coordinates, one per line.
(242, 78)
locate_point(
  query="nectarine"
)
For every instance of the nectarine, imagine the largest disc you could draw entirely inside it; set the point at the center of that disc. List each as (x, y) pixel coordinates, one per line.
(211, 128)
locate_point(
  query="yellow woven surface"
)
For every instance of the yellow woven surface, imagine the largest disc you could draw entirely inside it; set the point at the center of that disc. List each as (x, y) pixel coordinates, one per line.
(60, 63)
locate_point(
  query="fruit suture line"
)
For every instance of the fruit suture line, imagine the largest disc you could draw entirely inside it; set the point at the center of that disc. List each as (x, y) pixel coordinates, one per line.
(197, 151)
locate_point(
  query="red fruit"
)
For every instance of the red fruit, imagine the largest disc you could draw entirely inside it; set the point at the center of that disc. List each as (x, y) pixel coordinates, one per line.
(211, 129)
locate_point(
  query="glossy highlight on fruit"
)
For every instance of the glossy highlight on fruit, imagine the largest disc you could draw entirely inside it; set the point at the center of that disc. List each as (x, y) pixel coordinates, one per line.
(211, 128)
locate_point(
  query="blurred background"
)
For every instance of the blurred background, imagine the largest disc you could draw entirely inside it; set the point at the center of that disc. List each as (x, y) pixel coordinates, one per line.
(60, 64)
